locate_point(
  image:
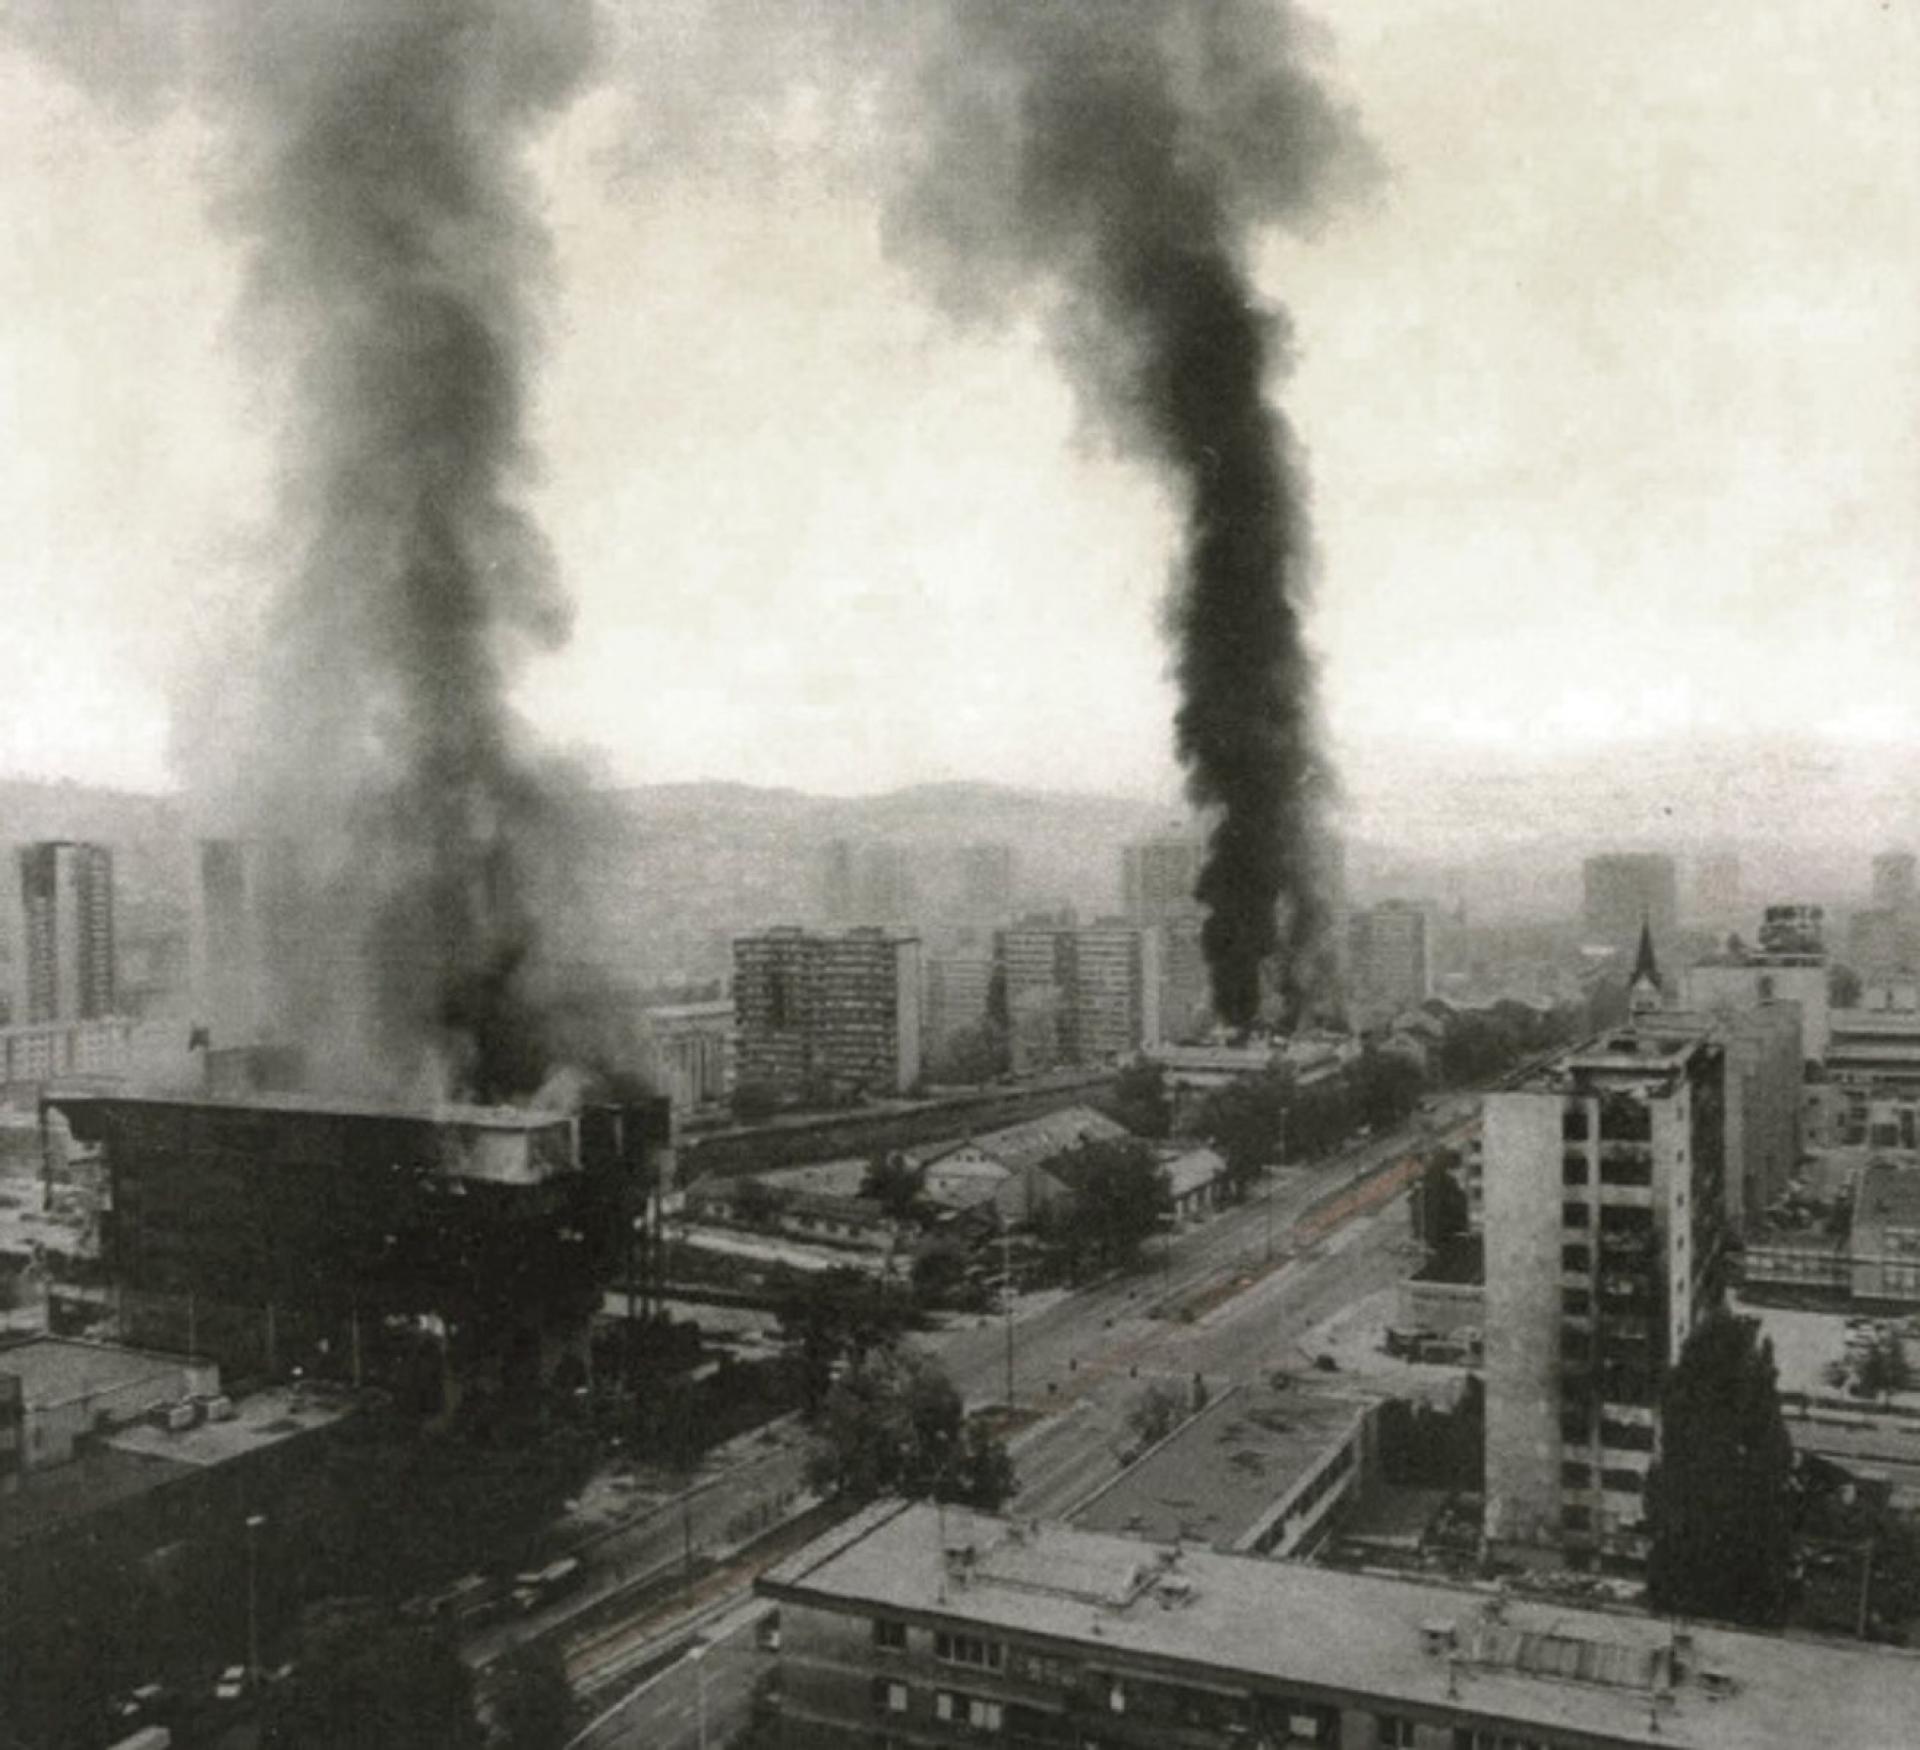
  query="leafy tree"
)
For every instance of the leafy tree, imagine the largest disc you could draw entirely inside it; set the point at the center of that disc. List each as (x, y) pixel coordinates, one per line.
(1119, 1195)
(892, 1184)
(366, 1680)
(971, 1054)
(1884, 1368)
(1387, 1086)
(1718, 1501)
(754, 1102)
(895, 1425)
(938, 1274)
(1247, 1122)
(841, 1315)
(1477, 1048)
(755, 1202)
(1139, 1100)
(1156, 1412)
(533, 1701)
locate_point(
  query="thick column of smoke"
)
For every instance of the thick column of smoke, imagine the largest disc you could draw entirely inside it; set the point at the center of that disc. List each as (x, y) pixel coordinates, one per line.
(394, 260)
(1121, 153)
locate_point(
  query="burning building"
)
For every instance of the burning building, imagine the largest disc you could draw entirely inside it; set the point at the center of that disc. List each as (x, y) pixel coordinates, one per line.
(276, 1232)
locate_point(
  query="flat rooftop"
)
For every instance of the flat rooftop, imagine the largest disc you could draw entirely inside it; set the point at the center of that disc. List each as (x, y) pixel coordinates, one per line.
(1320, 1633)
(261, 1419)
(1215, 1480)
(448, 1114)
(61, 1370)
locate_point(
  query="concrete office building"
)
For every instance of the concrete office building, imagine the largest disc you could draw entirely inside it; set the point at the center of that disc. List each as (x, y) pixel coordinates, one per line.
(1622, 891)
(63, 933)
(1079, 994)
(1789, 965)
(1604, 1218)
(1186, 995)
(274, 1232)
(827, 1017)
(1389, 960)
(916, 1625)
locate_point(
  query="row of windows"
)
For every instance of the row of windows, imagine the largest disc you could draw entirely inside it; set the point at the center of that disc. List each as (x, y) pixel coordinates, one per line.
(1634, 1169)
(1575, 1475)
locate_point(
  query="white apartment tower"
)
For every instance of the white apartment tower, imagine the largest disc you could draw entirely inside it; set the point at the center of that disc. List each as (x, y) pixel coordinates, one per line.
(1603, 1183)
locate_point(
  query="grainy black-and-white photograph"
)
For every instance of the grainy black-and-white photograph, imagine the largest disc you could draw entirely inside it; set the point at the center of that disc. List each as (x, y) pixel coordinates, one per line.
(951, 874)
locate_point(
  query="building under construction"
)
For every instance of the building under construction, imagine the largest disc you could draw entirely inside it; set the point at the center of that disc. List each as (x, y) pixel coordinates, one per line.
(275, 1232)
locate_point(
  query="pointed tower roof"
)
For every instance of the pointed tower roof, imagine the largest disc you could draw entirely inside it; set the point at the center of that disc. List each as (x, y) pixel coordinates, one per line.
(1644, 987)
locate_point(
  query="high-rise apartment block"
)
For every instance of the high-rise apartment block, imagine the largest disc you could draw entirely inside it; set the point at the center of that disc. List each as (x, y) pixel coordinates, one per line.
(1390, 966)
(1894, 886)
(63, 940)
(1080, 994)
(1603, 1186)
(986, 883)
(1158, 877)
(827, 1017)
(1624, 890)
(867, 883)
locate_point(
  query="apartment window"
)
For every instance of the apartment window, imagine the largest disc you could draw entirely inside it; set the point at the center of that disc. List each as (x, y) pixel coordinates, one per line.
(1576, 1476)
(1576, 1302)
(889, 1636)
(1573, 1123)
(1633, 1169)
(1626, 1218)
(1625, 1482)
(1627, 1436)
(968, 1650)
(1574, 1214)
(1393, 1732)
(889, 1697)
(1573, 1169)
(1575, 1258)
(1576, 1519)
(973, 1711)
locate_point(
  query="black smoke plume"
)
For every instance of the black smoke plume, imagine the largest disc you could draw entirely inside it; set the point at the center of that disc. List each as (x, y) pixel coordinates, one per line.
(1122, 154)
(371, 165)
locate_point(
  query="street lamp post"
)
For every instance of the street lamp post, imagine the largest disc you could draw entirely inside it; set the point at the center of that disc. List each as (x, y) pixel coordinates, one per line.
(254, 1522)
(1006, 1295)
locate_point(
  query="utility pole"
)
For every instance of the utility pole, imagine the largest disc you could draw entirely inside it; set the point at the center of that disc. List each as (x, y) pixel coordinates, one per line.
(254, 1522)
(1866, 1585)
(1006, 1295)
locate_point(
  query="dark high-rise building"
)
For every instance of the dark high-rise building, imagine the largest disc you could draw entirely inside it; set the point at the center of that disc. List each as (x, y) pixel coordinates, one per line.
(64, 962)
(274, 1232)
(1624, 890)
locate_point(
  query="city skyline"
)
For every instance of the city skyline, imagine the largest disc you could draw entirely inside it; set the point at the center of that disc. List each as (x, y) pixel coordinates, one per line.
(1615, 372)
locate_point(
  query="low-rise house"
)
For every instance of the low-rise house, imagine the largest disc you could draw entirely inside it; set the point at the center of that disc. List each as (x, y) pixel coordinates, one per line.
(1196, 1180)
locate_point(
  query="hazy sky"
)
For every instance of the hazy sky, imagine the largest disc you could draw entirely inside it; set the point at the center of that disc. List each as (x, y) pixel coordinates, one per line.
(1609, 394)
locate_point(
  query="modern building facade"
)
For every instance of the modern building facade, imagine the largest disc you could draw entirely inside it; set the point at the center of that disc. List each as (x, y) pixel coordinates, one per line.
(1624, 890)
(827, 1017)
(1390, 964)
(1603, 1184)
(63, 938)
(1079, 994)
(278, 1231)
(914, 1625)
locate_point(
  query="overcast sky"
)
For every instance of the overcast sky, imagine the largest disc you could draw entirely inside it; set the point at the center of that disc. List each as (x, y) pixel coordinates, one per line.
(1608, 392)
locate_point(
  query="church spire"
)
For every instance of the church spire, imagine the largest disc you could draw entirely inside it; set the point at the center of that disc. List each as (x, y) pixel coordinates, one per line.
(1644, 987)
